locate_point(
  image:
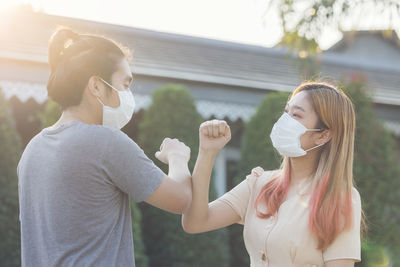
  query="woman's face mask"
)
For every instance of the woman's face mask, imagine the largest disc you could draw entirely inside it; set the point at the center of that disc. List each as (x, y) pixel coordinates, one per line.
(285, 136)
(118, 117)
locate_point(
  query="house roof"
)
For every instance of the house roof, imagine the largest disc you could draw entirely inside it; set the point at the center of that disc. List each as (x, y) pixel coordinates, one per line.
(349, 37)
(197, 59)
(23, 36)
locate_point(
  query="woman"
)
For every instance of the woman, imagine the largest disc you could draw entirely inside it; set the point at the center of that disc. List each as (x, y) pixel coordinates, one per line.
(307, 213)
(77, 176)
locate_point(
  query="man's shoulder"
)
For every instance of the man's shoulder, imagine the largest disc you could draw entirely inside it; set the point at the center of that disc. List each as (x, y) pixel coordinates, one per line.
(103, 133)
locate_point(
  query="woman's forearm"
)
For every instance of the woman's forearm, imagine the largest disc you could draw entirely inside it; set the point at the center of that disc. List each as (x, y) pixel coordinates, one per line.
(197, 212)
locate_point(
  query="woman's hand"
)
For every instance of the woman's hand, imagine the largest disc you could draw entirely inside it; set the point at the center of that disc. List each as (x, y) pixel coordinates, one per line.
(201, 216)
(214, 135)
(173, 148)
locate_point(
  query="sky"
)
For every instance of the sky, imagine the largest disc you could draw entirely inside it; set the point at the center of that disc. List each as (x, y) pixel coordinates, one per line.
(242, 21)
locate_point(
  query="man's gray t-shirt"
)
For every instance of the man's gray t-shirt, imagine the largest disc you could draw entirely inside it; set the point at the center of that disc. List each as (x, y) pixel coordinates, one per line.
(75, 183)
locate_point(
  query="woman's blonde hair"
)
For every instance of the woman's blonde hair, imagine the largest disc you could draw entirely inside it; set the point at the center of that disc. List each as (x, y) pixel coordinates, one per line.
(331, 198)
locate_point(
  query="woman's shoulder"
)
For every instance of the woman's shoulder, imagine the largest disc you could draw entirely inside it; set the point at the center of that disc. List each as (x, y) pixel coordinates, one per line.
(259, 177)
(355, 195)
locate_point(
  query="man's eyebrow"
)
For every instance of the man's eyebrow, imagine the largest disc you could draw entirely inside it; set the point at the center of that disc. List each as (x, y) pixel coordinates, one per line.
(129, 78)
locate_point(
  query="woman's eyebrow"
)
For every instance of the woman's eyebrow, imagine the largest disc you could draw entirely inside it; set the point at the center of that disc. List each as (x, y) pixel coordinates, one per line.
(295, 107)
(298, 107)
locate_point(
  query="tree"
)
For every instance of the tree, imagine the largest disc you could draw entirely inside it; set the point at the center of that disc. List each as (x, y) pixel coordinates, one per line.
(50, 114)
(173, 114)
(376, 172)
(304, 21)
(141, 258)
(257, 149)
(10, 144)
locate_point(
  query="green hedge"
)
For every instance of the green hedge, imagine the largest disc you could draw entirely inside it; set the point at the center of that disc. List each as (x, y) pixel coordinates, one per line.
(377, 175)
(141, 258)
(10, 144)
(173, 114)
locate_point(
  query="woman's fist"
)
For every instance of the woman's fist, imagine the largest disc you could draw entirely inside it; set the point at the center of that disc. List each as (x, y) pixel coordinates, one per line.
(214, 135)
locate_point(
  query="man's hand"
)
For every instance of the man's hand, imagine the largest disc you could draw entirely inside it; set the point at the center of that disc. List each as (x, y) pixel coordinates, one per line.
(172, 148)
(214, 135)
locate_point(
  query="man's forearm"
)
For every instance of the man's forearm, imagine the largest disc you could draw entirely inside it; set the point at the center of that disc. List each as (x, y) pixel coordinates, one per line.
(179, 171)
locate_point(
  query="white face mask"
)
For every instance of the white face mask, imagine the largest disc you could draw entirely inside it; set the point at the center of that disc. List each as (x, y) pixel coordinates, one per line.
(285, 136)
(118, 117)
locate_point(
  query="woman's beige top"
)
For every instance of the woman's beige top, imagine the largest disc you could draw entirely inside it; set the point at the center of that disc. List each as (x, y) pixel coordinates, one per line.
(285, 239)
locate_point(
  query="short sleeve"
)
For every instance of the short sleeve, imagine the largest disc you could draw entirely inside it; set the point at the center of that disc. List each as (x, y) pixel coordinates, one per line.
(129, 169)
(347, 244)
(238, 198)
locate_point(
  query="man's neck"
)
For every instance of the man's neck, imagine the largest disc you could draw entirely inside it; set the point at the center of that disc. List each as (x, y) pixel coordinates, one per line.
(75, 114)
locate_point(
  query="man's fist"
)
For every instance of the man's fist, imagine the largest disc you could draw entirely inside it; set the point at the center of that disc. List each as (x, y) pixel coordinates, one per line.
(173, 148)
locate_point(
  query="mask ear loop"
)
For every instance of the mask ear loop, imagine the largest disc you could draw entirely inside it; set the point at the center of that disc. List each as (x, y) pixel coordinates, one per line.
(112, 87)
(98, 99)
(314, 147)
(315, 130)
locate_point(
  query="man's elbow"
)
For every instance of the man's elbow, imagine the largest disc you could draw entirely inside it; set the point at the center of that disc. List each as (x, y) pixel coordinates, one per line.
(186, 199)
(180, 203)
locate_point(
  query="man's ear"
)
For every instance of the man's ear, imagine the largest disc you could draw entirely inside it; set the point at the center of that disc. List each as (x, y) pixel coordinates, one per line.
(325, 137)
(94, 86)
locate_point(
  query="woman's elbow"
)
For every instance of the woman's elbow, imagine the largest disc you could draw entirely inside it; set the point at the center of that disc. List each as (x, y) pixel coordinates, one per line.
(188, 228)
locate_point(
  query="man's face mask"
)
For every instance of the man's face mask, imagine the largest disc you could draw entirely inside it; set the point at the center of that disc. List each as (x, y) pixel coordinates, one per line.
(118, 117)
(285, 136)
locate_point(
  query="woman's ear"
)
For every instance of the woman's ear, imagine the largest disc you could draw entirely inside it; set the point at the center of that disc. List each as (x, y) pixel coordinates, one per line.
(325, 137)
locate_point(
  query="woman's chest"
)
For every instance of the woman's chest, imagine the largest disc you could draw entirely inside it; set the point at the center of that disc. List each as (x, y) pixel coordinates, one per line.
(284, 239)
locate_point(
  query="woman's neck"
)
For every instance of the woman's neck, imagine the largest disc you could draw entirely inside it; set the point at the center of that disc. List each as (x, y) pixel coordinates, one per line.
(302, 168)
